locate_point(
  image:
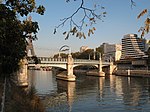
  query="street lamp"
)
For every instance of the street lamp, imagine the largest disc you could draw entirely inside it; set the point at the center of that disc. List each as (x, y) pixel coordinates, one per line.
(94, 54)
(63, 49)
(59, 55)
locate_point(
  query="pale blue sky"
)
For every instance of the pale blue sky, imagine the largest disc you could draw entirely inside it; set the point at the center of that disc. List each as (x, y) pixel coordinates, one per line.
(121, 19)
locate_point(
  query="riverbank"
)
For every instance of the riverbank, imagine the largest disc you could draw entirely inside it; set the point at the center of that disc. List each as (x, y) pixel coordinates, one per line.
(18, 99)
(1, 92)
(132, 73)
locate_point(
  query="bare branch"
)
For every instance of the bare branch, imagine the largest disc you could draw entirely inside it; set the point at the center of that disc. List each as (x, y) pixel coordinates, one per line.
(142, 13)
(89, 15)
(64, 20)
(132, 3)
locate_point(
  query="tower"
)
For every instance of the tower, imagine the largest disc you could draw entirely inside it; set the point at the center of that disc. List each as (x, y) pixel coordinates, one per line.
(29, 43)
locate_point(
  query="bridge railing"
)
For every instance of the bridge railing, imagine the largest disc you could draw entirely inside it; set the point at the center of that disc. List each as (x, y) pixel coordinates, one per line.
(52, 59)
(47, 60)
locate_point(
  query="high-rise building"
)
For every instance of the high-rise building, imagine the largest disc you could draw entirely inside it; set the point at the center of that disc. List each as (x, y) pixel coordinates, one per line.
(132, 47)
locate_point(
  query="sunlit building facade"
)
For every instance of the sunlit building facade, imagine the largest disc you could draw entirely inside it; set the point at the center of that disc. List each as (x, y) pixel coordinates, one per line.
(132, 47)
(112, 52)
(83, 48)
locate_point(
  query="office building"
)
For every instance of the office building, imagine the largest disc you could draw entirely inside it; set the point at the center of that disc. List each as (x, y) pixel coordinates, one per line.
(112, 52)
(132, 47)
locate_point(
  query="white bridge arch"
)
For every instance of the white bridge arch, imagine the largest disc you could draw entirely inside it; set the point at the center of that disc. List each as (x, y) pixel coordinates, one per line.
(68, 64)
(62, 62)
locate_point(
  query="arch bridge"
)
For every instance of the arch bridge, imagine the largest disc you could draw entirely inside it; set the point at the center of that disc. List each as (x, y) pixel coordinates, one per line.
(62, 62)
(68, 64)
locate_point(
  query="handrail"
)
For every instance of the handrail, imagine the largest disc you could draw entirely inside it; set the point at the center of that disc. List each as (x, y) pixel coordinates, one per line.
(64, 60)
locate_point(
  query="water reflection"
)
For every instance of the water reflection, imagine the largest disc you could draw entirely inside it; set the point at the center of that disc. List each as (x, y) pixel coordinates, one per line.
(69, 89)
(101, 84)
(97, 94)
(42, 81)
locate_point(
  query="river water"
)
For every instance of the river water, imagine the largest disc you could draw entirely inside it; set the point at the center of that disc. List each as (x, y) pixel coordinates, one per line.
(92, 94)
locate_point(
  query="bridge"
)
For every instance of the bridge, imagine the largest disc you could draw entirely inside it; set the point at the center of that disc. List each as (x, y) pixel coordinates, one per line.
(68, 64)
(62, 62)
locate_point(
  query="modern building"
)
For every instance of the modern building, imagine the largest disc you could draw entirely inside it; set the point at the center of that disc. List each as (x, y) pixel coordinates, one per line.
(83, 48)
(112, 52)
(132, 47)
(147, 45)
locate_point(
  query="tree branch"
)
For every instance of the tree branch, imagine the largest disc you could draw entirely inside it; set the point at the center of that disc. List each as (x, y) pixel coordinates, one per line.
(132, 3)
(88, 14)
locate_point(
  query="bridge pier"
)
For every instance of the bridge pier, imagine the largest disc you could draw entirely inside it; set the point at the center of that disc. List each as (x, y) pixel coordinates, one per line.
(22, 74)
(68, 76)
(111, 68)
(98, 73)
(101, 73)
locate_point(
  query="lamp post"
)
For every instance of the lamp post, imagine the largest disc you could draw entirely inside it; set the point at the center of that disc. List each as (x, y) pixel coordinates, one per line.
(59, 55)
(94, 55)
(63, 49)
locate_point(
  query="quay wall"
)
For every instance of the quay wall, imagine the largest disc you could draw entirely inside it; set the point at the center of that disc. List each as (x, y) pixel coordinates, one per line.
(133, 73)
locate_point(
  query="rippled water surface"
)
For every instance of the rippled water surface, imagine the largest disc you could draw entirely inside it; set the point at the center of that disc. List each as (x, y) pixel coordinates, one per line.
(92, 94)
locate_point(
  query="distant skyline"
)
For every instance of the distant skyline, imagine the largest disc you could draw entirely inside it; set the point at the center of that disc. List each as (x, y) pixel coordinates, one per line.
(120, 20)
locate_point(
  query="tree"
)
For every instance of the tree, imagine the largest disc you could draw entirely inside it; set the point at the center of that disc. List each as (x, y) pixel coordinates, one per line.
(83, 55)
(13, 32)
(24, 7)
(146, 28)
(12, 41)
(100, 49)
(89, 18)
(62, 55)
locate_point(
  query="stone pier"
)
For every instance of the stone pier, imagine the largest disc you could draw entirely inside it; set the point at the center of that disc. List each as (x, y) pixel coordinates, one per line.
(22, 73)
(101, 73)
(68, 75)
(98, 73)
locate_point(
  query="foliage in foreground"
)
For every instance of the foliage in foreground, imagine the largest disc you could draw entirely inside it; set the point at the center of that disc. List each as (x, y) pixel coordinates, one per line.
(146, 28)
(12, 41)
(19, 100)
(13, 35)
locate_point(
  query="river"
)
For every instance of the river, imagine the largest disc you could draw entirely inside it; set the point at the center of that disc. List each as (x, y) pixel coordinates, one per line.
(92, 94)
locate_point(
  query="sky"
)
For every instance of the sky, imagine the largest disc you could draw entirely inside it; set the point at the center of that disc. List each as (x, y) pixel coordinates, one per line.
(120, 20)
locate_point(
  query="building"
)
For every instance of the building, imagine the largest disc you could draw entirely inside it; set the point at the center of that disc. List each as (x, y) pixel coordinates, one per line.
(147, 45)
(83, 48)
(112, 52)
(132, 47)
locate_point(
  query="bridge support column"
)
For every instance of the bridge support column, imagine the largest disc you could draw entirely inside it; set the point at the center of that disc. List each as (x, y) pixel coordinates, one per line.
(112, 67)
(98, 72)
(101, 73)
(22, 73)
(68, 76)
